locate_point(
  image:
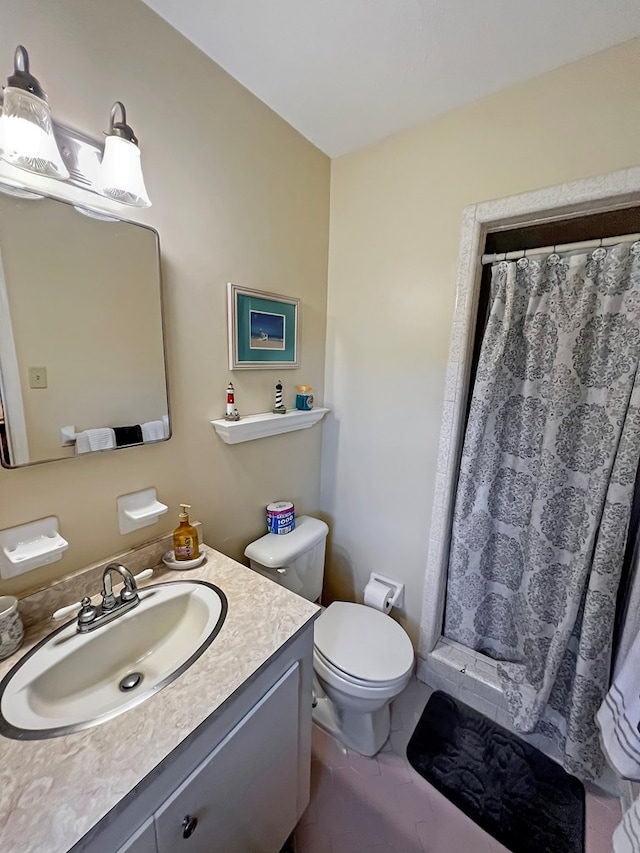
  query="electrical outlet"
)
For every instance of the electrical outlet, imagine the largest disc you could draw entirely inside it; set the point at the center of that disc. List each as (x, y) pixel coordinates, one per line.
(37, 377)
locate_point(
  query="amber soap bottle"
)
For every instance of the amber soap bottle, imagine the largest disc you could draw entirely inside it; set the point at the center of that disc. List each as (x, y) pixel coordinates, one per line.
(185, 537)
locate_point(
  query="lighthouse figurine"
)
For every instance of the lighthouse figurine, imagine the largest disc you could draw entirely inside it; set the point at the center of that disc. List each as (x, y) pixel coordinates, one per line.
(278, 408)
(232, 412)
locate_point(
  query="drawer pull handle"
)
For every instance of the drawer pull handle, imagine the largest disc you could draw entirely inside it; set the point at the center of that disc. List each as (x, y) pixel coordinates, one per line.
(189, 826)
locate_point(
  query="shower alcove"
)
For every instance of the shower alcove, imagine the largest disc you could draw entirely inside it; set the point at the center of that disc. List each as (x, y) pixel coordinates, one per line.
(602, 206)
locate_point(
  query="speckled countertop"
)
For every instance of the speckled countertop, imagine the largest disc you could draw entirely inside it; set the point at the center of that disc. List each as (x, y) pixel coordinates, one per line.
(53, 791)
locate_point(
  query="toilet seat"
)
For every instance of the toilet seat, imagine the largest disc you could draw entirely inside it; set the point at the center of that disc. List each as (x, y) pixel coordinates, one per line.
(362, 645)
(327, 670)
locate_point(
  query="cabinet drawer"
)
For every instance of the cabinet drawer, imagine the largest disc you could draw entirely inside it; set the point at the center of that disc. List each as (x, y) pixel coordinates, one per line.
(242, 798)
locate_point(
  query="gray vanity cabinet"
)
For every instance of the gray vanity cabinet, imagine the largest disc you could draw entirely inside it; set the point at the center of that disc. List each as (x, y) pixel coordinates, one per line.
(242, 798)
(241, 782)
(143, 841)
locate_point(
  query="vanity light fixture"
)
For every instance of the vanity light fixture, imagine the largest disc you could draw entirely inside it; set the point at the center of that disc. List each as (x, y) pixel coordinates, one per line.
(19, 192)
(122, 178)
(26, 131)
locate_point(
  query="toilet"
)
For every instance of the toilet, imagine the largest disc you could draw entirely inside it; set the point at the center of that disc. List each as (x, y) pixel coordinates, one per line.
(362, 659)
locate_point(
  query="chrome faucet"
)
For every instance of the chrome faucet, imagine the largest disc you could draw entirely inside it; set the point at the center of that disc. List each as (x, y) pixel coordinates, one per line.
(91, 617)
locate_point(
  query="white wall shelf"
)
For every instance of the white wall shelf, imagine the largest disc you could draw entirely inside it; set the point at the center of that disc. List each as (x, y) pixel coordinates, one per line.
(260, 426)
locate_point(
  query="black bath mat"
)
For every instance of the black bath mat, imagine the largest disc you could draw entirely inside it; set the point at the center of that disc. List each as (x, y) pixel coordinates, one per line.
(519, 796)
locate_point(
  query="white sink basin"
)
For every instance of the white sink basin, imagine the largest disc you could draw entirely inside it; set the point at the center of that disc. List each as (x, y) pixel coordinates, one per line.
(72, 681)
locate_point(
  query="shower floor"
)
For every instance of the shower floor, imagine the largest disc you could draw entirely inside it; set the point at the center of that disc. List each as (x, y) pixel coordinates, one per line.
(381, 805)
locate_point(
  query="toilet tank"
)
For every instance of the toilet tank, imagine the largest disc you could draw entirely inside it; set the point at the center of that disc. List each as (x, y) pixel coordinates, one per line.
(294, 560)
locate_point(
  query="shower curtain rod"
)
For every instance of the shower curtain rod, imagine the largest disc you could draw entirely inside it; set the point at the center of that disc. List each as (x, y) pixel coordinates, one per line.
(564, 247)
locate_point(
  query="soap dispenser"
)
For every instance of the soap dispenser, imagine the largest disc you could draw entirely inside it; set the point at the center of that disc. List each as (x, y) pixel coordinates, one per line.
(185, 537)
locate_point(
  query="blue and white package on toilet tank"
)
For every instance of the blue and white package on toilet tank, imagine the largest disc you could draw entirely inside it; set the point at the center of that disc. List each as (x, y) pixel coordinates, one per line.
(281, 517)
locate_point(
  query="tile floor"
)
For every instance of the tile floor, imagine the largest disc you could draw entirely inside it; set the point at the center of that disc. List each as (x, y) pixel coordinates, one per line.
(381, 805)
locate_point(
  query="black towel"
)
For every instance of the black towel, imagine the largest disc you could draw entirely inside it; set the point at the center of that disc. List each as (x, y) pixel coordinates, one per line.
(128, 435)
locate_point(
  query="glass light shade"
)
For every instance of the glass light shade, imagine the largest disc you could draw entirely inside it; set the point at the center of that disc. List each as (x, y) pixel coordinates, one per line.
(122, 178)
(26, 135)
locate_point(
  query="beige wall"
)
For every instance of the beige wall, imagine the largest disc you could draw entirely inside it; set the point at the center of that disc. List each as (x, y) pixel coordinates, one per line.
(394, 238)
(237, 195)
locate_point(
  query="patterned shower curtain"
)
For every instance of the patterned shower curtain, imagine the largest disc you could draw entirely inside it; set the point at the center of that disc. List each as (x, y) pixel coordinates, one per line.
(546, 479)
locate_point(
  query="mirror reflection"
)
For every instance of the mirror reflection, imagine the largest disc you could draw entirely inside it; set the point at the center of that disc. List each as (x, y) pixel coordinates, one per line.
(82, 363)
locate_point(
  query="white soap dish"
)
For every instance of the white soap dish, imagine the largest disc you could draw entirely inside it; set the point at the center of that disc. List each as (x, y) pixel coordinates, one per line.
(169, 559)
(30, 545)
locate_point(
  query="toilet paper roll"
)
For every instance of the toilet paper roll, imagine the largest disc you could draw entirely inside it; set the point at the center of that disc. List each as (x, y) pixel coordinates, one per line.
(281, 517)
(378, 595)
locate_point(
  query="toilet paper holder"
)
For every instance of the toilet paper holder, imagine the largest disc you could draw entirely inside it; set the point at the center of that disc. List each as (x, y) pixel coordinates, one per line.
(397, 599)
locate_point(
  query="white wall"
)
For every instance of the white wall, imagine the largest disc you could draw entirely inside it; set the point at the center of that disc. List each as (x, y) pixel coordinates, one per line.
(394, 238)
(238, 195)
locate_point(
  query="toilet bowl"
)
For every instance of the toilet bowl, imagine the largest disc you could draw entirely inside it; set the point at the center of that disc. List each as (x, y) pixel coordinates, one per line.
(362, 659)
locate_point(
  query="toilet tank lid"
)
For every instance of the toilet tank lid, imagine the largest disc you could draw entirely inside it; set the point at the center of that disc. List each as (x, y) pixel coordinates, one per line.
(281, 549)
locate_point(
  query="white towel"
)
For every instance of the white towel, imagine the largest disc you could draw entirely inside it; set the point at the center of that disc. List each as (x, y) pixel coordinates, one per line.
(619, 717)
(626, 838)
(165, 424)
(103, 438)
(153, 431)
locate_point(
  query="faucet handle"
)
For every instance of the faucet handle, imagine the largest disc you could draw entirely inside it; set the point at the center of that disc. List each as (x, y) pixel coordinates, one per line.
(128, 593)
(87, 612)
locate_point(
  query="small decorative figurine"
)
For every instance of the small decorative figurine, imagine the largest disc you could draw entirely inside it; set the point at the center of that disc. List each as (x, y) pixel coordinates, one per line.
(278, 408)
(232, 412)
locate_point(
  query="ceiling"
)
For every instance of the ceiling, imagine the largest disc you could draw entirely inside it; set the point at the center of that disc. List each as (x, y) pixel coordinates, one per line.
(346, 73)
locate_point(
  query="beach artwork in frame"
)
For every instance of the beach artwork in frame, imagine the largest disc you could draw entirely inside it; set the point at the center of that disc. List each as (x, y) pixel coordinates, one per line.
(263, 329)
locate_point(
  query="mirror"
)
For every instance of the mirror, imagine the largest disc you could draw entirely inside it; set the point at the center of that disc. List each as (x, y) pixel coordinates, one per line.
(82, 361)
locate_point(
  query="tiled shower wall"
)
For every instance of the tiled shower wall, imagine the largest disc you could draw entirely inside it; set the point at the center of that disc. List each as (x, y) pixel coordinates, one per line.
(472, 678)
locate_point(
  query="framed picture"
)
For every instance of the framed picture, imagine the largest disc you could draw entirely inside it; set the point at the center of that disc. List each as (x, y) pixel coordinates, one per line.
(263, 329)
